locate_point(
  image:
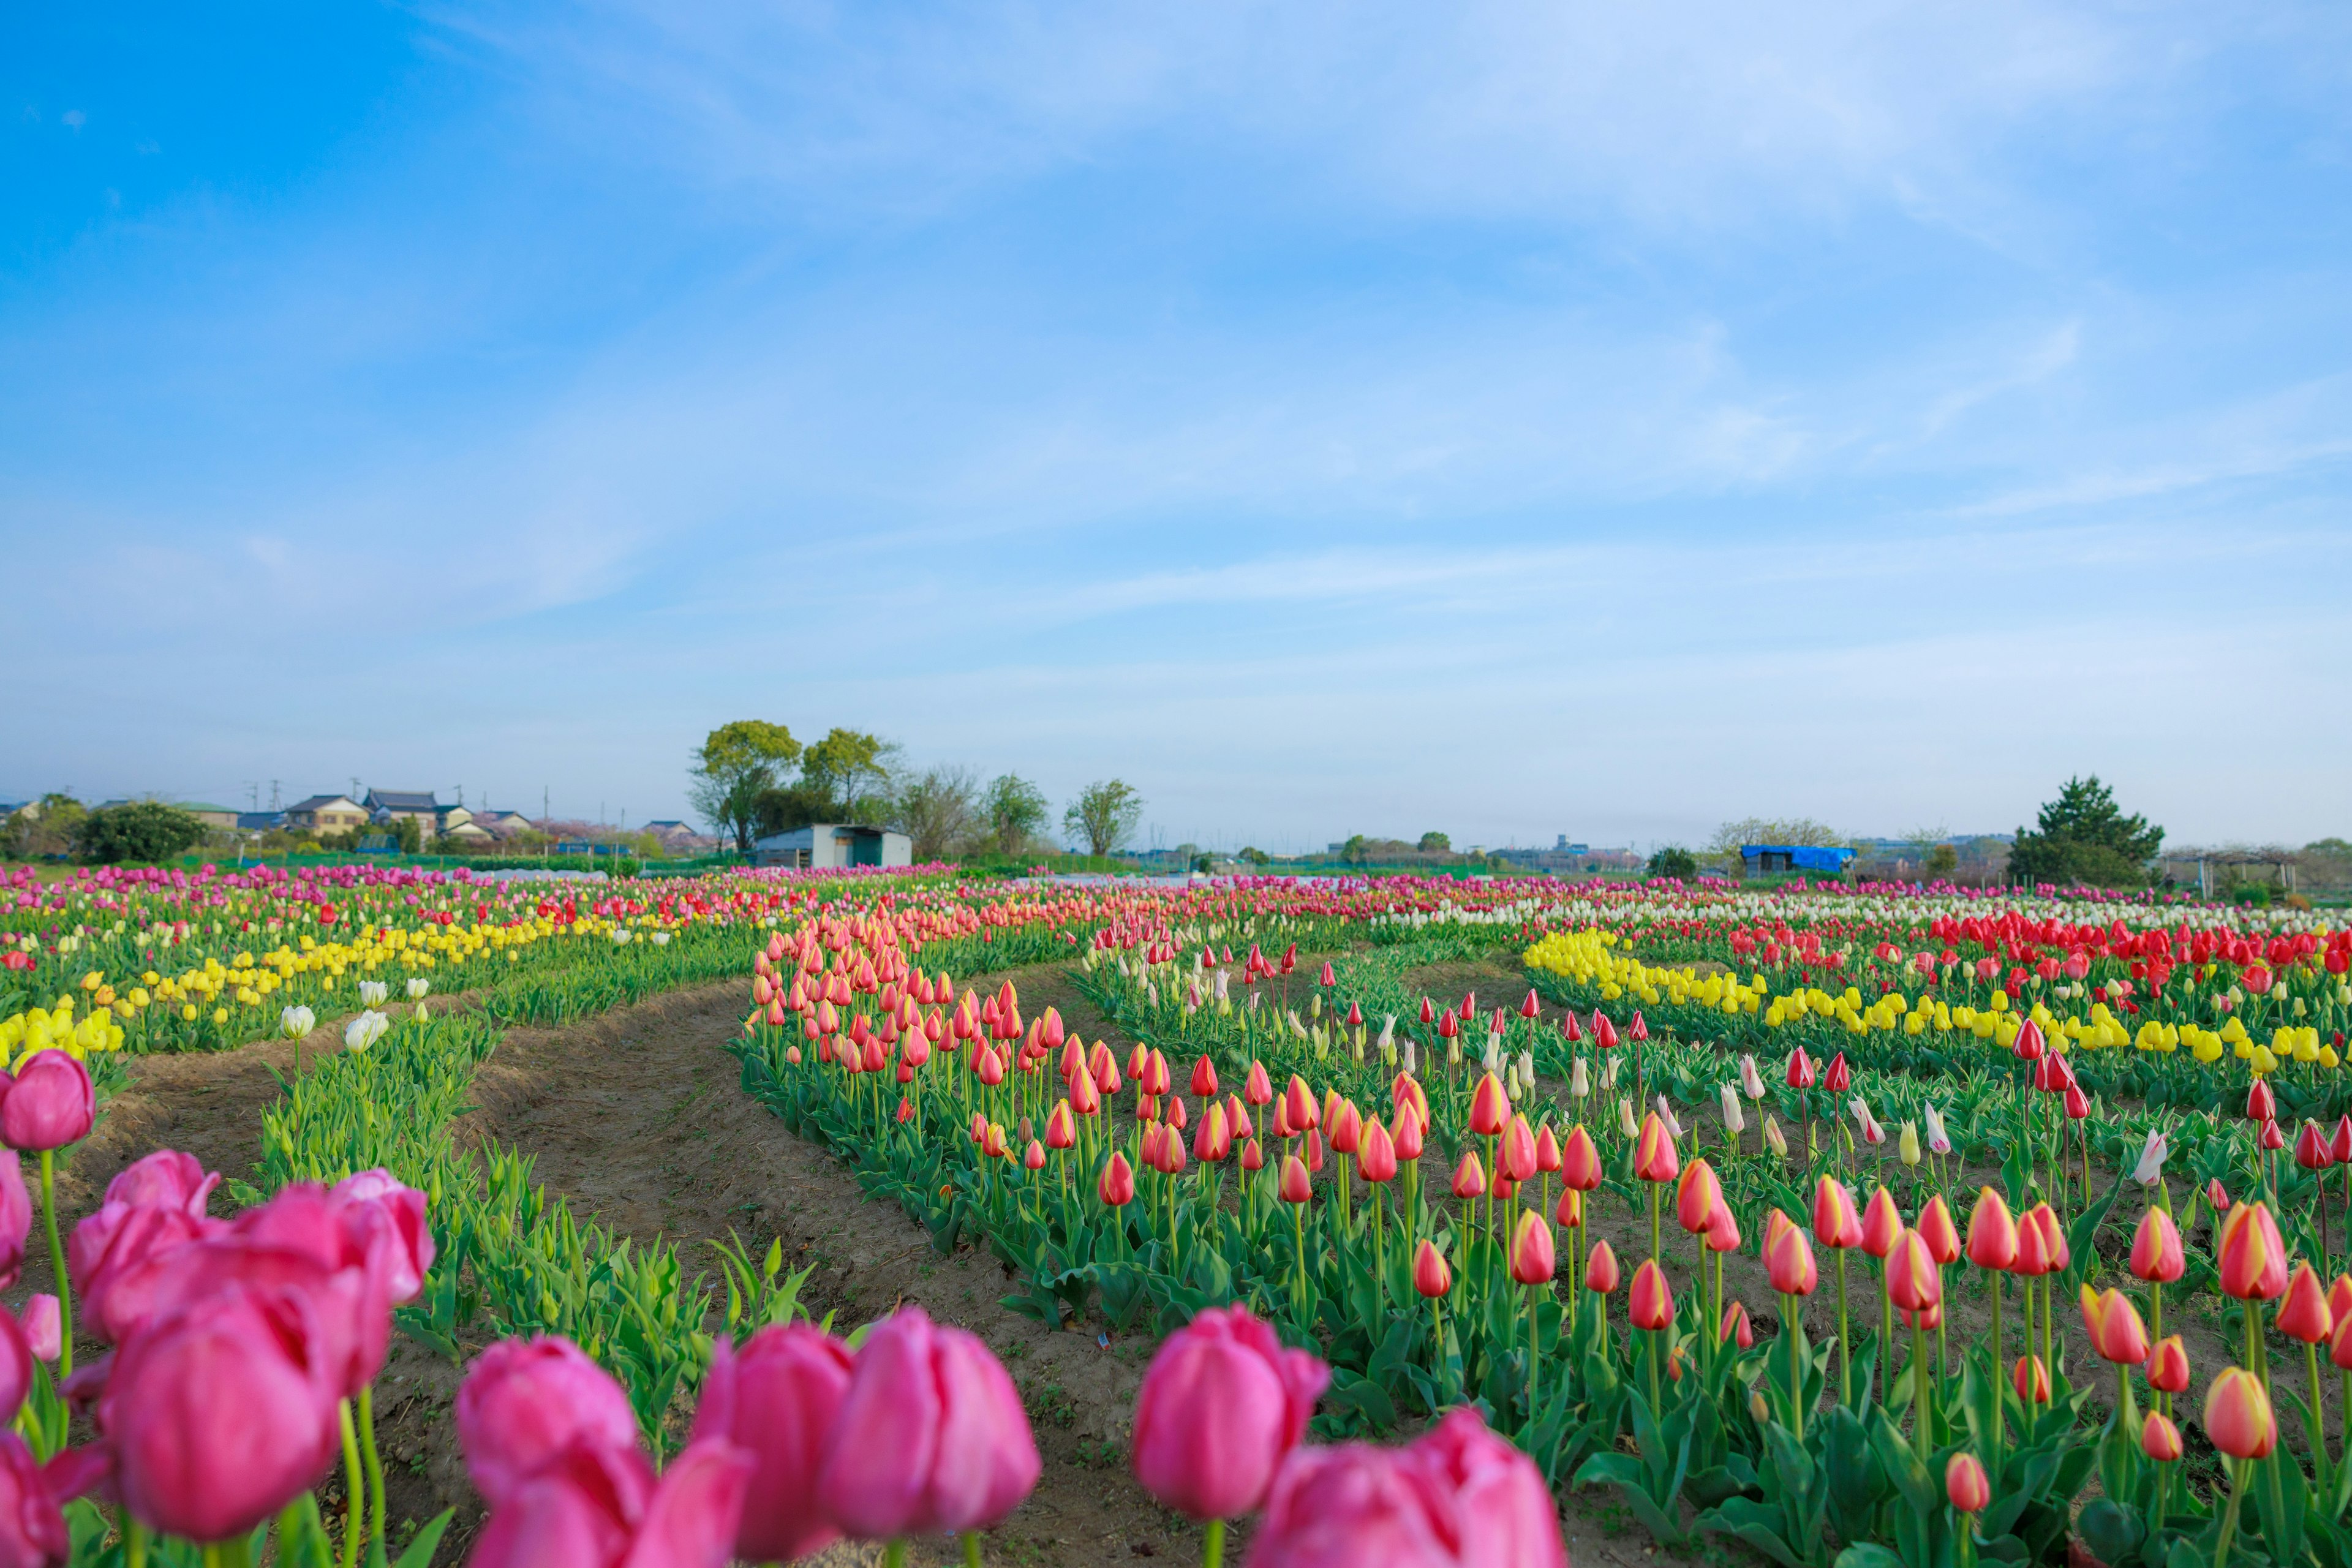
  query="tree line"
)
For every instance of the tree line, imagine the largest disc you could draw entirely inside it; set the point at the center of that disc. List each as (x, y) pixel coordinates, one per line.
(750, 779)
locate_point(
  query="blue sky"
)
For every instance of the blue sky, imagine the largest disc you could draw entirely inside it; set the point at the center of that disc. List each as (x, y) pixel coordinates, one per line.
(1515, 419)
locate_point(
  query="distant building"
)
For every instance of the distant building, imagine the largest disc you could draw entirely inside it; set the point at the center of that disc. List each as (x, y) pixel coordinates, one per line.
(327, 814)
(502, 824)
(388, 807)
(260, 821)
(458, 825)
(209, 815)
(831, 844)
(1772, 859)
(670, 831)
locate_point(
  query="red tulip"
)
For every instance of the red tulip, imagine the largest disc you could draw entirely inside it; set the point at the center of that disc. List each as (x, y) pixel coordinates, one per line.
(774, 1399)
(1378, 1160)
(1431, 1276)
(2043, 1217)
(930, 1436)
(2304, 1315)
(1490, 1108)
(2272, 1138)
(2113, 1324)
(2168, 1366)
(1652, 1303)
(1569, 1210)
(1838, 1077)
(2340, 1345)
(2253, 1257)
(2028, 1046)
(1516, 1157)
(1204, 1077)
(1882, 1224)
(1913, 1281)
(1297, 1186)
(1801, 1069)
(2339, 1148)
(2311, 1149)
(1256, 1089)
(1253, 1157)
(1654, 1159)
(1723, 1235)
(1532, 1250)
(1835, 1225)
(1469, 1176)
(2238, 1415)
(1966, 1485)
(222, 1412)
(1404, 1131)
(1547, 1155)
(1735, 1328)
(1789, 1258)
(1299, 1106)
(1600, 1273)
(2262, 1105)
(2159, 1439)
(1699, 1195)
(1222, 1405)
(2032, 1381)
(2155, 1254)
(1935, 1229)
(48, 1103)
(1116, 1185)
(1347, 1128)
(1579, 1162)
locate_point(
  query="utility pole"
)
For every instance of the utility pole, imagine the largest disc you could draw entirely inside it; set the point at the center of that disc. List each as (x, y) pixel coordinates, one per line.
(355, 791)
(542, 803)
(273, 797)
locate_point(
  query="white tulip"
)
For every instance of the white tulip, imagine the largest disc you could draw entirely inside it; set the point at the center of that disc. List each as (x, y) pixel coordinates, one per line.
(373, 993)
(1732, 1119)
(661, 939)
(1939, 1141)
(1625, 1118)
(1666, 1115)
(1773, 1138)
(297, 1023)
(1410, 1054)
(1579, 1082)
(1751, 1082)
(418, 987)
(1388, 1031)
(365, 1030)
(2152, 1156)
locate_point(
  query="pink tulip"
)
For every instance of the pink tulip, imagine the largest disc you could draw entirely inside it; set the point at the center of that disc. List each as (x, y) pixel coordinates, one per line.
(931, 1436)
(594, 1505)
(165, 1179)
(114, 1261)
(1351, 1504)
(16, 1367)
(44, 1327)
(15, 1218)
(1507, 1520)
(49, 1104)
(221, 1413)
(1222, 1404)
(525, 1401)
(376, 1212)
(32, 1519)
(774, 1398)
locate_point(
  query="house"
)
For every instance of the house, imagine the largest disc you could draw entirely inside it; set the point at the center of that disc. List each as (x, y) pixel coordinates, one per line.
(327, 814)
(387, 806)
(669, 830)
(823, 844)
(502, 824)
(209, 815)
(457, 826)
(260, 821)
(1770, 859)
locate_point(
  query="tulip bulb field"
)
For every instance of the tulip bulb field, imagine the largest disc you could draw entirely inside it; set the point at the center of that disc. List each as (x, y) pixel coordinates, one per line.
(1450, 1223)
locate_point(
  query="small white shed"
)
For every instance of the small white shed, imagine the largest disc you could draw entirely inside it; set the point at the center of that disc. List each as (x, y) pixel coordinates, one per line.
(826, 845)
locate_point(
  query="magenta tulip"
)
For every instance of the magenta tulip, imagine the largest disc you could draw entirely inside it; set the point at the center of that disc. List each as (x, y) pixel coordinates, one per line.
(221, 1413)
(44, 1328)
(1507, 1520)
(595, 1506)
(16, 1367)
(525, 1401)
(49, 1104)
(377, 1213)
(115, 1258)
(165, 1179)
(33, 1532)
(1222, 1405)
(1351, 1504)
(15, 1218)
(930, 1436)
(775, 1398)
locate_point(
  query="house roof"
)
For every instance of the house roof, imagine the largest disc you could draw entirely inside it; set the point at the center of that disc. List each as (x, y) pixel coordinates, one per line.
(401, 800)
(325, 802)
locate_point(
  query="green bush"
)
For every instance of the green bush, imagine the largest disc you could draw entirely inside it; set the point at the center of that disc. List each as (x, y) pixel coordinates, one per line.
(140, 830)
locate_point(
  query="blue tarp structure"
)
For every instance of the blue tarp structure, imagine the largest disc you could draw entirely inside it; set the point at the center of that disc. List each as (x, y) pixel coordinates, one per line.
(1768, 858)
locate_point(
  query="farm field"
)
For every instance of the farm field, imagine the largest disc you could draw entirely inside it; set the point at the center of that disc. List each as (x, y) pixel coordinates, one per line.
(1415, 1129)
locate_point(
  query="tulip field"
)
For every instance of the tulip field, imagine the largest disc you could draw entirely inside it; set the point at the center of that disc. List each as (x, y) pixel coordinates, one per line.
(1823, 1226)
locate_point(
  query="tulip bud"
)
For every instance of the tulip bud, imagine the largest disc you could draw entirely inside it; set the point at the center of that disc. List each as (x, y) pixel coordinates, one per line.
(774, 1397)
(1835, 1225)
(2304, 1314)
(1652, 1303)
(2113, 1324)
(1735, 1328)
(1656, 1160)
(2252, 1256)
(1913, 1281)
(2159, 1439)
(1600, 1273)
(1992, 1232)
(1222, 1405)
(1296, 1184)
(2032, 1381)
(1532, 1250)
(1882, 1224)
(1489, 1107)
(1789, 1258)
(1966, 1485)
(1908, 1146)
(1698, 1196)
(2168, 1366)
(1431, 1276)
(1935, 1229)
(2238, 1415)
(1116, 1187)
(2155, 1254)
(1774, 1139)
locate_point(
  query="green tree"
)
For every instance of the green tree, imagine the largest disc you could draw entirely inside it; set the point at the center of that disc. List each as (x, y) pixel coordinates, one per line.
(2084, 837)
(1105, 814)
(1435, 843)
(43, 828)
(1015, 810)
(139, 830)
(736, 764)
(1943, 861)
(1352, 851)
(851, 772)
(934, 809)
(1252, 854)
(1675, 861)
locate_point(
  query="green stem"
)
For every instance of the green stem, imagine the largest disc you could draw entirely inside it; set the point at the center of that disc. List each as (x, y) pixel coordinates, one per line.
(2318, 1422)
(374, 1462)
(354, 1486)
(1846, 1347)
(134, 1543)
(1789, 1305)
(1213, 1549)
(894, 1554)
(57, 1263)
(972, 1549)
(1922, 1437)
(1999, 1377)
